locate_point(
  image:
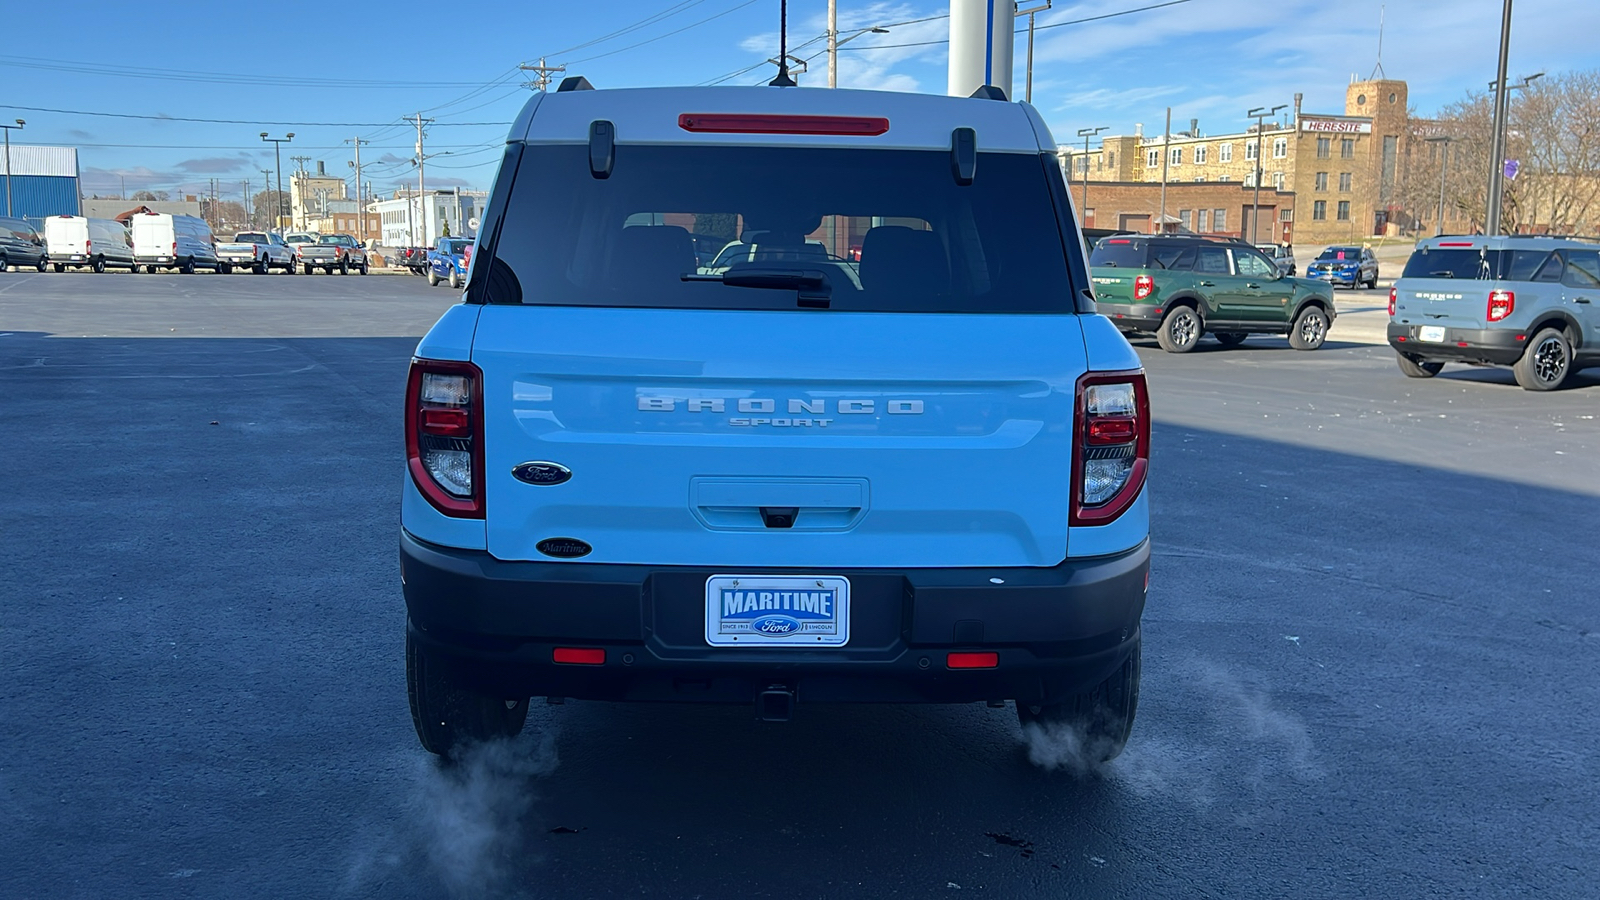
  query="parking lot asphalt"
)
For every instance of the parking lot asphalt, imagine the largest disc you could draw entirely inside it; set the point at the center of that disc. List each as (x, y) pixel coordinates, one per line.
(1370, 648)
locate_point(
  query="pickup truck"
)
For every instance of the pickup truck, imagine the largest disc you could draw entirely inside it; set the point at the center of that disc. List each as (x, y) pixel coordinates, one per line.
(334, 252)
(257, 251)
(413, 258)
(448, 261)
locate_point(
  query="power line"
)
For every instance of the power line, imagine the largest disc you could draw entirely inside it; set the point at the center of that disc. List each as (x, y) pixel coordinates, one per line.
(666, 35)
(163, 118)
(1114, 15)
(642, 23)
(88, 68)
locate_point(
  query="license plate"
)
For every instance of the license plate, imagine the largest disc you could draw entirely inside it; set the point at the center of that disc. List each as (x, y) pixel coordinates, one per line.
(777, 610)
(1431, 333)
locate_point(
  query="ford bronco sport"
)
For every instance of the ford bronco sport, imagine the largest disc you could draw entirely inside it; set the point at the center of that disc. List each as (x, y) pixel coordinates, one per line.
(913, 473)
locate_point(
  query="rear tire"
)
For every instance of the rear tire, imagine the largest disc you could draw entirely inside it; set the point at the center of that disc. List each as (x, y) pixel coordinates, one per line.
(1547, 362)
(455, 280)
(99, 264)
(1102, 717)
(344, 267)
(1229, 338)
(1310, 329)
(448, 715)
(259, 268)
(58, 267)
(365, 266)
(433, 278)
(1180, 330)
(1412, 368)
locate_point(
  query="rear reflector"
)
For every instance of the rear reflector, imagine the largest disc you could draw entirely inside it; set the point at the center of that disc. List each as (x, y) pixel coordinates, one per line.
(580, 656)
(972, 660)
(741, 123)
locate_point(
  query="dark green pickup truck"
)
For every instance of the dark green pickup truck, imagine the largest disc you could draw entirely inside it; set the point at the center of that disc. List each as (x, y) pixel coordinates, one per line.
(1179, 287)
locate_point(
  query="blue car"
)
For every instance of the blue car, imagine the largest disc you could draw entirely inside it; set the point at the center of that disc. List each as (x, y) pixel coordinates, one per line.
(906, 465)
(1350, 266)
(447, 261)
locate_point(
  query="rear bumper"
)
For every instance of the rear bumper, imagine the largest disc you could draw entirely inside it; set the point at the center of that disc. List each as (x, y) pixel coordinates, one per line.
(1132, 316)
(1056, 631)
(1498, 346)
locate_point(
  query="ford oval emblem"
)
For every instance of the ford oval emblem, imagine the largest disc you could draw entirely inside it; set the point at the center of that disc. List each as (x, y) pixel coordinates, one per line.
(564, 548)
(541, 472)
(776, 626)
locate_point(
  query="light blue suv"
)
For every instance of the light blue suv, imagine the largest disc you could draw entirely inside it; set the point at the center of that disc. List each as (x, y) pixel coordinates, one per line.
(1531, 303)
(893, 457)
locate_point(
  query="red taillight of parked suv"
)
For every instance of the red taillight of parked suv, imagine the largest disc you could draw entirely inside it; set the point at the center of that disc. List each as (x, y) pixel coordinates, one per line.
(1110, 447)
(1143, 287)
(1501, 304)
(444, 435)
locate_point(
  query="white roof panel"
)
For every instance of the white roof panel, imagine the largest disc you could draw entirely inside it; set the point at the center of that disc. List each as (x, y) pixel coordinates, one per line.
(27, 159)
(650, 116)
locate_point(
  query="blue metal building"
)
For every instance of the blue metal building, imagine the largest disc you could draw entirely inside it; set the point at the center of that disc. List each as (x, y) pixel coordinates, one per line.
(43, 181)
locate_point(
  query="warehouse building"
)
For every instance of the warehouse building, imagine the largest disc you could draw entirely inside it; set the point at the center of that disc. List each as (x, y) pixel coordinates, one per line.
(39, 181)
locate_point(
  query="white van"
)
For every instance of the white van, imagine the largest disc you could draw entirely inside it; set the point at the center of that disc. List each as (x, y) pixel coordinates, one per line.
(77, 242)
(182, 243)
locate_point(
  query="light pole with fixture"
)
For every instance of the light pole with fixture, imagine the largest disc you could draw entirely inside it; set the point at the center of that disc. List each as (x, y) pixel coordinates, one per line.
(1087, 133)
(8, 129)
(835, 42)
(1027, 89)
(1502, 112)
(277, 152)
(1444, 165)
(1260, 114)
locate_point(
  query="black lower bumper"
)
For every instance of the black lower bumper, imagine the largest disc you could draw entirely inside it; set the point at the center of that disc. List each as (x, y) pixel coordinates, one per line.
(1500, 347)
(1132, 316)
(1055, 631)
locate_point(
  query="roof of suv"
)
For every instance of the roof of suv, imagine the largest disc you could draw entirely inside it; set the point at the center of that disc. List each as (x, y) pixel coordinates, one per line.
(651, 116)
(1504, 241)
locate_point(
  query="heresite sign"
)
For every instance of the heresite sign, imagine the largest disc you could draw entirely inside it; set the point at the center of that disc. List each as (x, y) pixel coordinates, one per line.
(1336, 126)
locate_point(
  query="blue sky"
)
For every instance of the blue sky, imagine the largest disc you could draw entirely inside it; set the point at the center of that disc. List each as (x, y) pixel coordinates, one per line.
(365, 67)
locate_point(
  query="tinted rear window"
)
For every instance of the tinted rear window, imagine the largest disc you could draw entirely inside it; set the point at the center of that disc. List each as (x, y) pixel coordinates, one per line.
(888, 230)
(1462, 262)
(453, 247)
(1119, 253)
(1339, 254)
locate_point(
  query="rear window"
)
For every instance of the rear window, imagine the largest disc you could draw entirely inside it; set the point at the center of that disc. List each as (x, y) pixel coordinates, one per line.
(1338, 254)
(885, 230)
(1119, 253)
(453, 247)
(1477, 264)
(250, 237)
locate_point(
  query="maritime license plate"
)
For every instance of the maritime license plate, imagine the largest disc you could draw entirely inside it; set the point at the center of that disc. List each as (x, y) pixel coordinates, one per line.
(777, 611)
(1433, 334)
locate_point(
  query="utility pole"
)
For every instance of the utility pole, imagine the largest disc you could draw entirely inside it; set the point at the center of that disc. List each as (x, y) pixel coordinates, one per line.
(1497, 152)
(8, 129)
(833, 43)
(1166, 154)
(361, 207)
(298, 186)
(542, 74)
(249, 215)
(1027, 91)
(266, 187)
(1260, 113)
(277, 152)
(422, 165)
(1087, 133)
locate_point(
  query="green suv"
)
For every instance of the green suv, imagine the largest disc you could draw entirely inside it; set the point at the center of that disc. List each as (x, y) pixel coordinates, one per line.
(1179, 287)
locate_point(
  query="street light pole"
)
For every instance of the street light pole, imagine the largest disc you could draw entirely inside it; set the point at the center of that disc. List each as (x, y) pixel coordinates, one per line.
(834, 45)
(1087, 133)
(8, 129)
(1027, 90)
(1260, 113)
(1497, 150)
(1444, 166)
(277, 152)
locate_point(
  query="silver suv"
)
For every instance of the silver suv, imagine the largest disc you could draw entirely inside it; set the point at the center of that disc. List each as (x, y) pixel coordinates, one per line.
(1531, 303)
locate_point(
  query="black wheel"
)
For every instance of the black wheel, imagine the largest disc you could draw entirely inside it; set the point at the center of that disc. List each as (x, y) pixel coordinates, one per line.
(1229, 338)
(1310, 329)
(448, 715)
(1416, 368)
(344, 267)
(364, 267)
(225, 268)
(1546, 363)
(1101, 719)
(58, 267)
(40, 265)
(4, 263)
(186, 267)
(99, 264)
(259, 268)
(1180, 330)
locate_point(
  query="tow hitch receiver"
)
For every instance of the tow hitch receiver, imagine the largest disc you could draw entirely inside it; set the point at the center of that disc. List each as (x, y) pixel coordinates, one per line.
(775, 704)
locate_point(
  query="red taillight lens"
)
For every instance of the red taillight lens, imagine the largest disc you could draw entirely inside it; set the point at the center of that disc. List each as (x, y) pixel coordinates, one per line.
(1143, 286)
(1501, 304)
(1393, 294)
(1111, 446)
(174, 248)
(762, 123)
(444, 435)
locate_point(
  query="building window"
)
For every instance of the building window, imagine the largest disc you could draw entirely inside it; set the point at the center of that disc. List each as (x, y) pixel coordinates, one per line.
(1322, 181)
(1344, 182)
(1277, 181)
(1088, 217)
(1347, 148)
(1285, 215)
(1199, 178)
(1251, 150)
(1199, 155)
(1225, 178)
(1319, 210)
(1280, 148)
(1186, 219)
(1344, 210)
(1111, 158)
(1205, 220)
(1083, 165)
(1099, 161)
(1225, 153)
(1175, 156)
(1249, 179)
(1152, 158)
(1324, 148)
(1219, 219)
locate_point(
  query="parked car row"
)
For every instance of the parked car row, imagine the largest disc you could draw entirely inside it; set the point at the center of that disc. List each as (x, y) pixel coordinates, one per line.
(153, 242)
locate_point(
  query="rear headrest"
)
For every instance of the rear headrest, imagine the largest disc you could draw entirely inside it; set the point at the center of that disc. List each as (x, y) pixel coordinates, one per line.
(653, 254)
(901, 259)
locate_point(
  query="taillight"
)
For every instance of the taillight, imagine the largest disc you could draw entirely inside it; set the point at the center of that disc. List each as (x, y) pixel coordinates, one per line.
(1501, 304)
(466, 259)
(1143, 286)
(174, 248)
(88, 248)
(444, 435)
(1392, 296)
(1111, 445)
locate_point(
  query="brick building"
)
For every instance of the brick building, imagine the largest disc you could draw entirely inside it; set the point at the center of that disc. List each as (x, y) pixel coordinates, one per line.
(1210, 207)
(1344, 169)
